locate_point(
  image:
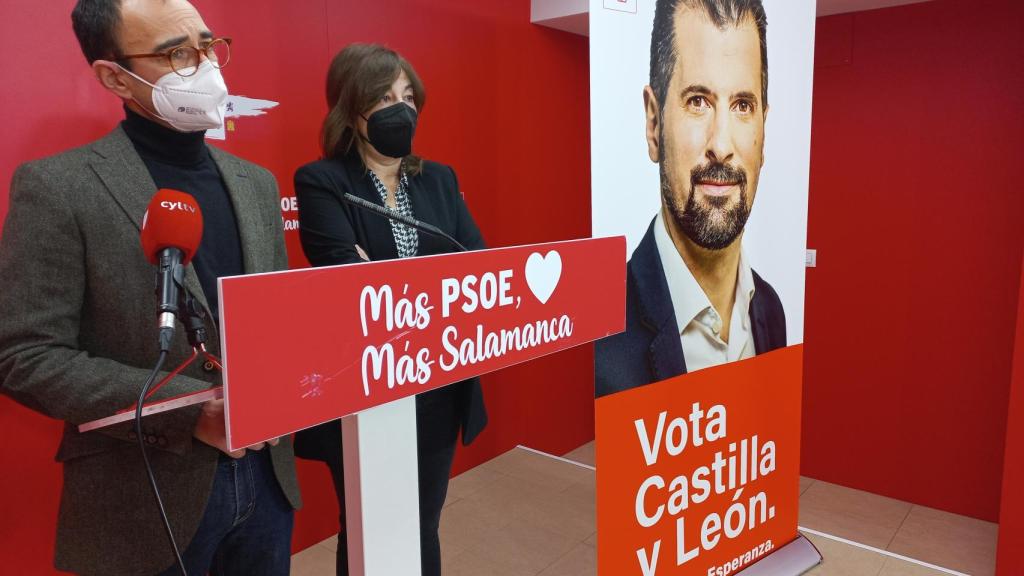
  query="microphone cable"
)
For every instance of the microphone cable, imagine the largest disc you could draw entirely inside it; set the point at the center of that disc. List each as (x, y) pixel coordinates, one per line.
(145, 457)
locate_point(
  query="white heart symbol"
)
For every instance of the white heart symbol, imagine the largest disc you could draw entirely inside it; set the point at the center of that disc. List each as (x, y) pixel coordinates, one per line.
(543, 273)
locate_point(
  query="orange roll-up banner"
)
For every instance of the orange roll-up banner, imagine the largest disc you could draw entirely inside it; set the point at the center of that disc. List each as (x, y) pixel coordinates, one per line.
(702, 482)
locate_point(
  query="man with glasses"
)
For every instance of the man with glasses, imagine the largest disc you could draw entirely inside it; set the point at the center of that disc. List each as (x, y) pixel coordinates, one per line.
(79, 334)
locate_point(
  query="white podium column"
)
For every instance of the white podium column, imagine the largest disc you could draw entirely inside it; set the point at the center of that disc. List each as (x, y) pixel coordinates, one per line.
(382, 490)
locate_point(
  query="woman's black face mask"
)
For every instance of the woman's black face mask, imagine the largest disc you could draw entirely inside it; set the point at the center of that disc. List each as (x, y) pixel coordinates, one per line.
(390, 130)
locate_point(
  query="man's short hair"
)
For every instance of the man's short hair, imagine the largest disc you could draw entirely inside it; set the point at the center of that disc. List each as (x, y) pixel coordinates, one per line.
(722, 13)
(95, 23)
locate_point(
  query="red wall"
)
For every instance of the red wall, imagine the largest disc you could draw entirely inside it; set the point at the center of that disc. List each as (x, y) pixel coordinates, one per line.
(915, 211)
(508, 107)
(1011, 515)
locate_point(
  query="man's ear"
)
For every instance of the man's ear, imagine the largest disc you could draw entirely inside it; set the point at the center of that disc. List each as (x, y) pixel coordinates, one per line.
(652, 124)
(108, 73)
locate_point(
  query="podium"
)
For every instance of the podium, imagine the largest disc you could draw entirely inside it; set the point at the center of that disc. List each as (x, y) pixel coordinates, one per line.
(358, 341)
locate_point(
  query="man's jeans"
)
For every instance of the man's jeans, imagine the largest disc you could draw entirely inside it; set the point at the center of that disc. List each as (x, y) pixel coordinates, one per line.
(247, 526)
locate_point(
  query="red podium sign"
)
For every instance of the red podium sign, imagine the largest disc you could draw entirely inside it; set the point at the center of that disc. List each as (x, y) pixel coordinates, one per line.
(699, 474)
(308, 346)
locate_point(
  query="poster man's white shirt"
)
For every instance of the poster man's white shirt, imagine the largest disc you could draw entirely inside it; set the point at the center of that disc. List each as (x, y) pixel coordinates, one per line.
(700, 325)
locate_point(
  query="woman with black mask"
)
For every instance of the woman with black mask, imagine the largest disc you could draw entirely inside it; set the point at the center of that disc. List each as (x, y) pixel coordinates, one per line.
(374, 97)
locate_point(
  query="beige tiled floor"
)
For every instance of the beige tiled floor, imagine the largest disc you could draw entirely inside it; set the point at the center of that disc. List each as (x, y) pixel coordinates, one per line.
(840, 559)
(859, 516)
(584, 454)
(316, 560)
(956, 542)
(526, 514)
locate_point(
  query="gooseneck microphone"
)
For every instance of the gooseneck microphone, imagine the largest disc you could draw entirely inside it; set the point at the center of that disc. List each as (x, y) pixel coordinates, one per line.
(408, 221)
(171, 231)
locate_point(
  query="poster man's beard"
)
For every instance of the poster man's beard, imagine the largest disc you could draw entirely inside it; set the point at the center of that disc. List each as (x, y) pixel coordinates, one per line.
(711, 224)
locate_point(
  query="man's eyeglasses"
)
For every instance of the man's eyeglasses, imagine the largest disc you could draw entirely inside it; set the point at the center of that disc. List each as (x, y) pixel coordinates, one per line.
(184, 60)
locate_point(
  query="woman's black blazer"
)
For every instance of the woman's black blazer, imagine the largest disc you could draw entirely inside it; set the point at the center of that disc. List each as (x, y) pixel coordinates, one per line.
(330, 229)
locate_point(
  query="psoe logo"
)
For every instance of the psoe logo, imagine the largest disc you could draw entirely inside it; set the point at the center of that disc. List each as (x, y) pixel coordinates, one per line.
(172, 206)
(237, 107)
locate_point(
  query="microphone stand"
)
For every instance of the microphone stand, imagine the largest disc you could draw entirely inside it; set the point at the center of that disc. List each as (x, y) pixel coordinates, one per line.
(408, 221)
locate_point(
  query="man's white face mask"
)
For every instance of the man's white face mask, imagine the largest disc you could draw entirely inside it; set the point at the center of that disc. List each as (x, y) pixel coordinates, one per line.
(189, 103)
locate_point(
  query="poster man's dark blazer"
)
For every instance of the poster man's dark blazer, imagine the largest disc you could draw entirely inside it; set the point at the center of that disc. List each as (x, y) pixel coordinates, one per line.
(331, 228)
(650, 350)
(78, 339)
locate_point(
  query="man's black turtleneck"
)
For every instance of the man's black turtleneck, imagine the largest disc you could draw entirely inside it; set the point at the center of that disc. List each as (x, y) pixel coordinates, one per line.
(181, 161)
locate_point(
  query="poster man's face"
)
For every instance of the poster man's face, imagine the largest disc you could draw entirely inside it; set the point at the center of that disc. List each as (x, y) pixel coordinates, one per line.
(709, 135)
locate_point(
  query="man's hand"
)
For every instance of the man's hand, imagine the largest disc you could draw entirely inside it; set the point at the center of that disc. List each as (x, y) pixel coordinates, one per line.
(210, 430)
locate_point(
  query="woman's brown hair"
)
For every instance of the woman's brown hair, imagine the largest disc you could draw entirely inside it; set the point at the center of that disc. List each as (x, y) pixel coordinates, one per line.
(357, 79)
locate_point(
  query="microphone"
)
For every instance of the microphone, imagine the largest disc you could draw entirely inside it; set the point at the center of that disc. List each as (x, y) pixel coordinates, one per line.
(171, 231)
(394, 215)
(193, 317)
